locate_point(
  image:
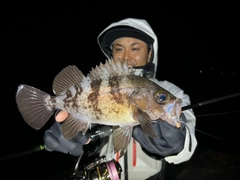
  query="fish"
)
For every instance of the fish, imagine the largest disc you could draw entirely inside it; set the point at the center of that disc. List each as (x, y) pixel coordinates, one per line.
(110, 94)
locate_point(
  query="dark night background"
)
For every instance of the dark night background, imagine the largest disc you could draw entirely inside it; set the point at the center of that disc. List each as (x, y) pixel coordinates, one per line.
(197, 51)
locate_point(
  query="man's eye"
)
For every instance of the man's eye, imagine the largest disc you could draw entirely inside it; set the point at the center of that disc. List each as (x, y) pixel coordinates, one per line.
(135, 49)
(118, 50)
(162, 97)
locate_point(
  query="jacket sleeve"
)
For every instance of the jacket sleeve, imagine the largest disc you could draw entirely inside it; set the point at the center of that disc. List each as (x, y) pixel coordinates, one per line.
(55, 141)
(188, 130)
(190, 143)
(170, 141)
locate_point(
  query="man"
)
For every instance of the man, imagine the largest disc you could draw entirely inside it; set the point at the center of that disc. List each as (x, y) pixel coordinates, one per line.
(134, 41)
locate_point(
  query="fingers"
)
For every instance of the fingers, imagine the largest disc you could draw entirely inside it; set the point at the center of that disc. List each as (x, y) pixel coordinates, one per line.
(88, 141)
(61, 116)
(178, 125)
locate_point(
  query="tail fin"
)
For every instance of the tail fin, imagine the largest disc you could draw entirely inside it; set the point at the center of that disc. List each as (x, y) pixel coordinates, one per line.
(32, 105)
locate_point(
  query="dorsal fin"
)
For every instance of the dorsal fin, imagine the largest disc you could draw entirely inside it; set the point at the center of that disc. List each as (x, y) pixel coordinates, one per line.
(110, 68)
(68, 77)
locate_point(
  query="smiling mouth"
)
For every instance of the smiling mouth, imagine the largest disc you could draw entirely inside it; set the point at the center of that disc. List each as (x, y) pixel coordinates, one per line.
(131, 65)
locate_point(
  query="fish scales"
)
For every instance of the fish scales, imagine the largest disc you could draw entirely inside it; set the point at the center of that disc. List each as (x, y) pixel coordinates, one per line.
(110, 95)
(109, 100)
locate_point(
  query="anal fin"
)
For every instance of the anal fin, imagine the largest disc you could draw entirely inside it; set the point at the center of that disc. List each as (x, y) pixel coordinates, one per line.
(121, 139)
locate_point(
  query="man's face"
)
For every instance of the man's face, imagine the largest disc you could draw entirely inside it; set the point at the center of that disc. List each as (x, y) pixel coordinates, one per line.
(132, 50)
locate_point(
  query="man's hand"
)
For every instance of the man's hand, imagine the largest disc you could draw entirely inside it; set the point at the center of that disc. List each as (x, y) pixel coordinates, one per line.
(55, 141)
(61, 116)
(171, 139)
(178, 125)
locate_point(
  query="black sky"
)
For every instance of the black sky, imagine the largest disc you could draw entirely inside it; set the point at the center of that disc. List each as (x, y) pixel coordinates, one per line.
(197, 51)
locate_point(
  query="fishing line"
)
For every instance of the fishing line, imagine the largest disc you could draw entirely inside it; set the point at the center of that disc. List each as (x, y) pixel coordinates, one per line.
(213, 136)
(231, 142)
(210, 102)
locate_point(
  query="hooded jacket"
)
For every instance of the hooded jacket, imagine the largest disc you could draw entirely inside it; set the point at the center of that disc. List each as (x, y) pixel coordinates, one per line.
(139, 24)
(148, 165)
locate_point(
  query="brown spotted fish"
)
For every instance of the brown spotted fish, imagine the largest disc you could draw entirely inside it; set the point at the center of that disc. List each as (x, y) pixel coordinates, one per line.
(110, 95)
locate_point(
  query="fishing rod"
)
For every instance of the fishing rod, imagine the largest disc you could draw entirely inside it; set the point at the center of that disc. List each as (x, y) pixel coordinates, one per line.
(95, 133)
(23, 153)
(42, 147)
(210, 101)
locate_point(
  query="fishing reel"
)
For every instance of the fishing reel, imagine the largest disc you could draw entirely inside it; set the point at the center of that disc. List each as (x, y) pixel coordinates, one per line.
(90, 166)
(98, 169)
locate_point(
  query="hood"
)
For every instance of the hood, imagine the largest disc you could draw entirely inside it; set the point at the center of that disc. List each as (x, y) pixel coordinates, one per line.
(139, 24)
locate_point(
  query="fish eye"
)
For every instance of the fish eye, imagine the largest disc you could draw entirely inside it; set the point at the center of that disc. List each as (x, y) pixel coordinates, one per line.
(162, 97)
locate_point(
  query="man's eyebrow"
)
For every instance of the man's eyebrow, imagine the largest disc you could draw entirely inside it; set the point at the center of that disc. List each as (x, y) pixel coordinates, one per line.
(117, 44)
(135, 43)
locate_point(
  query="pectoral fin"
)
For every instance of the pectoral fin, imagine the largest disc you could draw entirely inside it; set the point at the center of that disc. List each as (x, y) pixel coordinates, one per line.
(121, 139)
(72, 126)
(146, 123)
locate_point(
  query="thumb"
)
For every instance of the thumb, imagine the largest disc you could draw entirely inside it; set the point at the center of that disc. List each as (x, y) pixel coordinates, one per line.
(61, 116)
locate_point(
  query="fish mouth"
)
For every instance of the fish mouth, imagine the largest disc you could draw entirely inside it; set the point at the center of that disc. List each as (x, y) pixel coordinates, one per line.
(173, 112)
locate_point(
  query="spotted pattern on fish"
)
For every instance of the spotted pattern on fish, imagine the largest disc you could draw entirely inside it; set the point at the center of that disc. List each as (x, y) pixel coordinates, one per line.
(78, 93)
(67, 100)
(115, 90)
(95, 85)
(50, 102)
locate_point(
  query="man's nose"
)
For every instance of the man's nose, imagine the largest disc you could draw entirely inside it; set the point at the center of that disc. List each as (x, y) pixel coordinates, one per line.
(126, 56)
